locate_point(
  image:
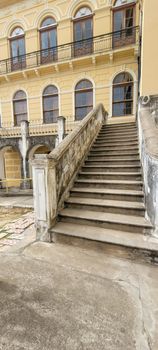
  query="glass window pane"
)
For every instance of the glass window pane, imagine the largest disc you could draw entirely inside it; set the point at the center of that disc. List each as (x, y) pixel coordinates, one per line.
(128, 92)
(14, 49)
(48, 21)
(51, 117)
(118, 21)
(128, 108)
(52, 38)
(82, 112)
(118, 109)
(50, 103)
(84, 99)
(84, 84)
(123, 78)
(88, 30)
(21, 46)
(19, 95)
(78, 31)
(44, 41)
(19, 118)
(84, 11)
(17, 31)
(47, 103)
(20, 107)
(118, 94)
(129, 13)
(51, 89)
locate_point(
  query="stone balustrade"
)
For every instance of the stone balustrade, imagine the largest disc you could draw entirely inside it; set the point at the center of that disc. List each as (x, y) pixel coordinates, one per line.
(54, 174)
(148, 140)
(36, 128)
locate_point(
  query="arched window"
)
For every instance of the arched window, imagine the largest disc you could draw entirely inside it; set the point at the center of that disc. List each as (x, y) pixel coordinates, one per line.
(17, 49)
(83, 32)
(20, 107)
(48, 40)
(83, 99)
(123, 94)
(124, 23)
(50, 104)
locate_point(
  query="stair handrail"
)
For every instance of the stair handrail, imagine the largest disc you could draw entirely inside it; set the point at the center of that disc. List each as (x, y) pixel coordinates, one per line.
(149, 131)
(148, 144)
(54, 174)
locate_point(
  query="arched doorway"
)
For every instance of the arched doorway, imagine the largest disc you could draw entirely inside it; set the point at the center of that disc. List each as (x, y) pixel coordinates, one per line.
(10, 167)
(38, 149)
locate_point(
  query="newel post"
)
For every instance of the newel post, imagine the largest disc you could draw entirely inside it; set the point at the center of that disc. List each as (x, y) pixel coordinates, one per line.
(102, 115)
(45, 195)
(61, 128)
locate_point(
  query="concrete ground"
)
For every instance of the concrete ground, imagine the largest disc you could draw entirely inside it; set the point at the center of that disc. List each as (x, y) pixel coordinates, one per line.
(12, 201)
(61, 297)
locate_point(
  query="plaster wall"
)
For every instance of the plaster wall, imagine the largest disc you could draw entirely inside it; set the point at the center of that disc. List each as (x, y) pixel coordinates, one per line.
(29, 14)
(149, 72)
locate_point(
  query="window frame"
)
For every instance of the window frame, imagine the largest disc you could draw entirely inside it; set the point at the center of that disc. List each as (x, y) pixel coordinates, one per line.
(17, 100)
(80, 91)
(77, 52)
(50, 110)
(129, 39)
(124, 101)
(21, 59)
(52, 51)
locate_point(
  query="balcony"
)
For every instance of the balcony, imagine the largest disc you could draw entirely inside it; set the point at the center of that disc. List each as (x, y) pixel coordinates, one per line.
(93, 48)
(36, 128)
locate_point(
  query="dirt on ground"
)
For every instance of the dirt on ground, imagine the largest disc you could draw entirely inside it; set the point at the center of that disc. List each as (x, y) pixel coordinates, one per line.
(7, 215)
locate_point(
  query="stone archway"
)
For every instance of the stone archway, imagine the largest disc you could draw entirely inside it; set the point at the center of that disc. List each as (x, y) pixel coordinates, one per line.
(37, 149)
(10, 167)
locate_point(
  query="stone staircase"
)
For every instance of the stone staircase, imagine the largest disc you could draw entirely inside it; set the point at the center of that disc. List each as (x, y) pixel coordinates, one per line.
(106, 203)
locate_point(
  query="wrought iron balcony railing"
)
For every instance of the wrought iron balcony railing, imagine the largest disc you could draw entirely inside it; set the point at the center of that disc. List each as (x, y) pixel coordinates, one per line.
(67, 52)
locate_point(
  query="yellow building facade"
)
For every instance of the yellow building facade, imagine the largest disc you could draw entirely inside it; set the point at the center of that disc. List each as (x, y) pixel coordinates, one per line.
(149, 73)
(62, 58)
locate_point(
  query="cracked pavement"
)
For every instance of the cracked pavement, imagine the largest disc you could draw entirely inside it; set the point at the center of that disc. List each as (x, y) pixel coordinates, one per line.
(61, 297)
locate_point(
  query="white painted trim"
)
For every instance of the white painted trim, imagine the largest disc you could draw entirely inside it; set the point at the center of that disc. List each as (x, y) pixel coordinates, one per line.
(77, 4)
(13, 24)
(55, 13)
(135, 82)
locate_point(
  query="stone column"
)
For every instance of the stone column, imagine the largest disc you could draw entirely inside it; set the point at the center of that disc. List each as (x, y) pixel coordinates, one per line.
(45, 195)
(23, 145)
(61, 128)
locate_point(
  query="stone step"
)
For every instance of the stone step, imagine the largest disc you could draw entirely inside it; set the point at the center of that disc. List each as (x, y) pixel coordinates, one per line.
(122, 184)
(115, 147)
(116, 144)
(118, 125)
(114, 152)
(107, 193)
(111, 161)
(120, 129)
(110, 175)
(113, 157)
(114, 139)
(106, 168)
(106, 206)
(118, 133)
(96, 238)
(106, 220)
